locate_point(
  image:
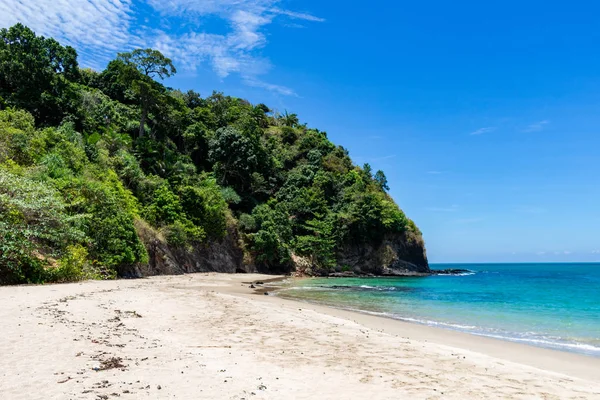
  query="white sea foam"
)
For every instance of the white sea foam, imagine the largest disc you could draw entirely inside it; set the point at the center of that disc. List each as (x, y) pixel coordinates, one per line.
(380, 288)
(587, 348)
(554, 343)
(408, 319)
(399, 308)
(461, 274)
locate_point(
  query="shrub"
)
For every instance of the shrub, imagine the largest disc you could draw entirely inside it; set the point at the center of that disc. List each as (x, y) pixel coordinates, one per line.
(71, 266)
(34, 226)
(165, 208)
(230, 196)
(247, 223)
(19, 141)
(288, 135)
(184, 233)
(110, 211)
(205, 206)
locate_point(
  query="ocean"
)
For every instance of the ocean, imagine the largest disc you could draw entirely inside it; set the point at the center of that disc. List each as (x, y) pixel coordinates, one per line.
(548, 305)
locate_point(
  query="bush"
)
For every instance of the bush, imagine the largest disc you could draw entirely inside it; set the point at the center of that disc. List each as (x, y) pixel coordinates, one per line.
(165, 208)
(230, 196)
(319, 243)
(184, 234)
(288, 135)
(110, 211)
(34, 226)
(19, 141)
(72, 266)
(205, 206)
(247, 223)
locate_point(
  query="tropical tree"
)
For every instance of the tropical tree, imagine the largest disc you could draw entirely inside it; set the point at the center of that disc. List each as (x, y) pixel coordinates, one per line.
(35, 73)
(381, 180)
(149, 64)
(290, 120)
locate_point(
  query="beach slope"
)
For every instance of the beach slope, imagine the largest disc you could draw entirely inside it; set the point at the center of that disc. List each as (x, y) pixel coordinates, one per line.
(208, 336)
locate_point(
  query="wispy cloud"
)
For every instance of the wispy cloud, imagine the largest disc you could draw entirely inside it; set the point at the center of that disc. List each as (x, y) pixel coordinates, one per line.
(537, 127)
(595, 251)
(481, 131)
(297, 15)
(254, 82)
(97, 28)
(435, 172)
(101, 28)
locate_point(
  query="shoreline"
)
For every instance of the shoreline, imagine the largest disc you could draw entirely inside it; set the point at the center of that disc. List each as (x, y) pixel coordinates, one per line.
(431, 324)
(574, 364)
(206, 336)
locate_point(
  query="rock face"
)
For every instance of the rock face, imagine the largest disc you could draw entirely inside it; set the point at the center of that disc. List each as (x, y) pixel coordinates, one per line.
(396, 255)
(402, 254)
(225, 255)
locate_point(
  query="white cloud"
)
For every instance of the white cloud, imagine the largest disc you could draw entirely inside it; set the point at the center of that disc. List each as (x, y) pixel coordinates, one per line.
(98, 29)
(435, 172)
(269, 86)
(483, 130)
(296, 15)
(231, 52)
(595, 251)
(536, 127)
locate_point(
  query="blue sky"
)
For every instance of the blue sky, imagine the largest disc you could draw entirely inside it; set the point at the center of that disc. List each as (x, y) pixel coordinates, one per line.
(484, 116)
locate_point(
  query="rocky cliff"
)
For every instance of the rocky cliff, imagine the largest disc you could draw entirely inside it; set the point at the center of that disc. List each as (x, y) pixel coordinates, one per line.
(396, 255)
(400, 254)
(225, 255)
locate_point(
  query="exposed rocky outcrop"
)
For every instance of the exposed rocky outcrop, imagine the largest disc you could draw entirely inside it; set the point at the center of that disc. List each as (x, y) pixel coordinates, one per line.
(225, 255)
(395, 255)
(451, 271)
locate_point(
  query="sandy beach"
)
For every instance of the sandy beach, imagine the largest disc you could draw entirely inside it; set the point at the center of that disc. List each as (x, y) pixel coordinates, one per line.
(209, 336)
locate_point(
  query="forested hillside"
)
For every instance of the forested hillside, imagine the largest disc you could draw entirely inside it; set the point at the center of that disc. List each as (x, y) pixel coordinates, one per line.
(103, 173)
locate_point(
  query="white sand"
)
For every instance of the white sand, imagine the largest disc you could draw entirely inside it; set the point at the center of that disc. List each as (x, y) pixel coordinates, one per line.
(206, 336)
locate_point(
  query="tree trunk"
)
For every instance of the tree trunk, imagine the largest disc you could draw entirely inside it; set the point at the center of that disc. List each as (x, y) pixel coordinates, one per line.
(143, 121)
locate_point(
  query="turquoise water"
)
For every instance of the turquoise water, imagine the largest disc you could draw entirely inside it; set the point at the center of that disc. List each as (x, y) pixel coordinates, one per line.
(548, 305)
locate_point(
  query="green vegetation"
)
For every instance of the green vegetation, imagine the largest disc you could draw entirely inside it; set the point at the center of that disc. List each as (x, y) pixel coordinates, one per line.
(86, 155)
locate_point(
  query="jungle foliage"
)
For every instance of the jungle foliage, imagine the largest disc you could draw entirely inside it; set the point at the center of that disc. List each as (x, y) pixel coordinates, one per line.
(84, 154)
